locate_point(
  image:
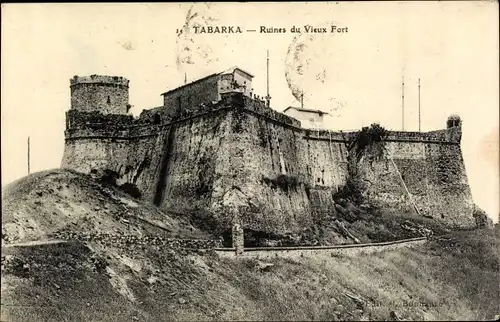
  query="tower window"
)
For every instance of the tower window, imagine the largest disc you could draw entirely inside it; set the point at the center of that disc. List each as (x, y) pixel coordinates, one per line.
(179, 103)
(157, 119)
(109, 100)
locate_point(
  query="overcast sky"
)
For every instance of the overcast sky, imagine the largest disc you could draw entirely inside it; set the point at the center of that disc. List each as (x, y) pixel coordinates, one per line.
(451, 46)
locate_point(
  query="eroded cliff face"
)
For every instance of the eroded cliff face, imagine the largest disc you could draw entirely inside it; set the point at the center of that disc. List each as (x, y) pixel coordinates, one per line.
(241, 162)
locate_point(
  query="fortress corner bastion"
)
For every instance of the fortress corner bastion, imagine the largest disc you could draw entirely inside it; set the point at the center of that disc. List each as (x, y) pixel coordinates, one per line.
(215, 147)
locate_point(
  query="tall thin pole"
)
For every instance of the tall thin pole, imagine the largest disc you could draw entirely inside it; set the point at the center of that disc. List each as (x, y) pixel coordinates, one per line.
(267, 73)
(268, 97)
(302, 100)
(403, 101)
(28, 155)
(185, 78)
(419, 127)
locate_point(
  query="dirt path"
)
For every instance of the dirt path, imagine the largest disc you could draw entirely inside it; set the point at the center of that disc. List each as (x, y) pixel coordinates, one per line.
(35, 243)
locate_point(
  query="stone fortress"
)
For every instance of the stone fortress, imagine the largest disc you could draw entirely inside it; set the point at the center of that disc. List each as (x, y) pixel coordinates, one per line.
(215, 147)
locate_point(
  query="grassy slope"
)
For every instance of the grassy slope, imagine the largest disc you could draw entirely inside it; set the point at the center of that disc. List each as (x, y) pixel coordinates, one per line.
(458, 278)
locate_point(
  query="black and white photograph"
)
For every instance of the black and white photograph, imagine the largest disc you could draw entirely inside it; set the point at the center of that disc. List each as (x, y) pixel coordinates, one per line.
(250, 161)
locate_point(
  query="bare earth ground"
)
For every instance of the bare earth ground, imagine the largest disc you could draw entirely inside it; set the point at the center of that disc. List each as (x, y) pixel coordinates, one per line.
(453, 278)
(64, 200)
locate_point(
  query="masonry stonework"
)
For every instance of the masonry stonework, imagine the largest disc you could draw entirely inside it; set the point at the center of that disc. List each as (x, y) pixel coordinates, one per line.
(238, 157)
(186, 97)
(108, 94)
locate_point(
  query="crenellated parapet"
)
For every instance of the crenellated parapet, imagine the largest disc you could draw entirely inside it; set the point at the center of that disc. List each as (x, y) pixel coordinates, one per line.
(96, 123)
(99, 79)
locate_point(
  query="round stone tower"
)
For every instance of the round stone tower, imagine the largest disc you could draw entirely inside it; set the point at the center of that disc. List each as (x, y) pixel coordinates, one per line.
(106, 94)
(453, 121)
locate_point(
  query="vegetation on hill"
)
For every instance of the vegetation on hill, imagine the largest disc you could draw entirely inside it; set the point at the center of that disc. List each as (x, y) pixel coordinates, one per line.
(358, 219)
(453, 277)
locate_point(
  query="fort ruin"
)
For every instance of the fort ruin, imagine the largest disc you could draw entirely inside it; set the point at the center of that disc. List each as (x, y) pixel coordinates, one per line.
(216, 147)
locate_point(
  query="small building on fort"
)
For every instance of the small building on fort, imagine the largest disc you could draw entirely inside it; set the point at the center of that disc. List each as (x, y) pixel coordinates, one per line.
(209, 88)
(309, 118)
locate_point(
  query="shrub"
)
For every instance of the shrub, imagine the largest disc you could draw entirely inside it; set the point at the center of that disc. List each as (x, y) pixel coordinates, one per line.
(131, 189)
(368, 141)
(368, 136)
(109, 177)
(205, 220)
(284, 181)
(352, 190)
(482, 219)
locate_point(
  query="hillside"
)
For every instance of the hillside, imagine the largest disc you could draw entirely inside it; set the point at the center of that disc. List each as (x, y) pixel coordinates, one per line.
(54, 201)
(455, 277)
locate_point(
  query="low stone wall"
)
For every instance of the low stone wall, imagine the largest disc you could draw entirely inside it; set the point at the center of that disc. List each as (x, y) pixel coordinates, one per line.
(314, 251)
(128, 240)
(86, 125)
(445, 136)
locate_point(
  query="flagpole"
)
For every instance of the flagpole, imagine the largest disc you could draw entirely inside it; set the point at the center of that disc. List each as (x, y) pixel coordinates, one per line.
(28, 155)
(419, 122)
(268, 97)
(403, 101)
